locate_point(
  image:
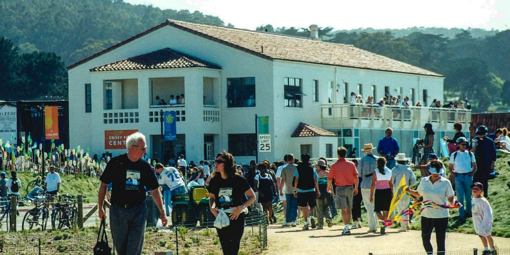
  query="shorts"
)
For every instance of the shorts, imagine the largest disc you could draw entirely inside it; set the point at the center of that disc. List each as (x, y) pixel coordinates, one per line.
(343, 197)
(307, 199)
(52, 193)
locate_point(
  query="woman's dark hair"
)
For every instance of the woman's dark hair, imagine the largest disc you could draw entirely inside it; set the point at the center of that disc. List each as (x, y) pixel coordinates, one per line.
(437, 165)
(229, 165)
(13, 175)
(457, 126)
(262, 166)
(499, 131)
(430, 131)
(355, 161)
(381, 163)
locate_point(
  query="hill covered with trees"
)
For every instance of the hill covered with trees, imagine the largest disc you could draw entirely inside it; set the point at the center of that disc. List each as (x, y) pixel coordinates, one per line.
(38, 38)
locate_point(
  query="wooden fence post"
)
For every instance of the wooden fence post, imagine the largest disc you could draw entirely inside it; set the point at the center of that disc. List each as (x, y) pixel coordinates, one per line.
(14, 210)
(80, 211)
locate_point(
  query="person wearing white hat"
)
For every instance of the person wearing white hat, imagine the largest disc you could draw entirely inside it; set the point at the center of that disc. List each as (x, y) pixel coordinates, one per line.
(437, 189)
(397, 173)
(366, 167)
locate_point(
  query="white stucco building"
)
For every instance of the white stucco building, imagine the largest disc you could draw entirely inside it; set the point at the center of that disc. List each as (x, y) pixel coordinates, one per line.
(228, 76)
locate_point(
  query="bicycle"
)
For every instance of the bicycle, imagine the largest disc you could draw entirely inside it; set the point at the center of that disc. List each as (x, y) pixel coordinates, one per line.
(38, 182)
(6, 211)
(65, 212)
(37, 216)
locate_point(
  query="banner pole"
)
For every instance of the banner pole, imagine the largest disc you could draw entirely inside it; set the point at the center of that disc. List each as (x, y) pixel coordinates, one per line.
(161, 113)
(43, 117)
(257, 138)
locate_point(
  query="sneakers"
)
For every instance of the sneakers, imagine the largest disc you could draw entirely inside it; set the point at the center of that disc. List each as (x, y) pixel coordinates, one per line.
(359, 225)
(285, 224)
(402, 230)
(305, 227)
(293, 224)
(313, 223)
(354, 226)
(408, 228)
(494, 252)
(346, 232)
(371, 231)
(330, 223)
(487, 252)
(320, 227)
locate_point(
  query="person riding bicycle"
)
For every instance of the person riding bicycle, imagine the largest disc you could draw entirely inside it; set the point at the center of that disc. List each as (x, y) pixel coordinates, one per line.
(52, 184)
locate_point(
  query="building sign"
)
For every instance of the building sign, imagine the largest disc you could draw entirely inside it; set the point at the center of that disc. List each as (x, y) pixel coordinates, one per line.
(116, 139)
(170, 126)
(264, 143)
(51, 122)
(263, 123)
(8, 127)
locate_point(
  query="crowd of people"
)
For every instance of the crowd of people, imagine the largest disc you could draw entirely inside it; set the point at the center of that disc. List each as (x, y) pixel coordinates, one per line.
(172, 101)
(405, 102)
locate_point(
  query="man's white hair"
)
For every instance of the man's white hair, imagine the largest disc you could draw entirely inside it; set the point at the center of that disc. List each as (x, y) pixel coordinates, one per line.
(133, 139)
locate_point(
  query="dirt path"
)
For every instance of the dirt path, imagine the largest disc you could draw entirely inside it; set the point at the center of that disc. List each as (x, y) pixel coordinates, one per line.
(330, 241)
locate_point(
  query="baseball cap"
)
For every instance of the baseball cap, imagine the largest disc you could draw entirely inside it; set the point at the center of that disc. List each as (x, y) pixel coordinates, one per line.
(481, 130)
(432, 156)
(477, 184)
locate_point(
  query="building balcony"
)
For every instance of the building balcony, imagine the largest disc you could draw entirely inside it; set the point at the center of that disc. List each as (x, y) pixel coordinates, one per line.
(336, 116)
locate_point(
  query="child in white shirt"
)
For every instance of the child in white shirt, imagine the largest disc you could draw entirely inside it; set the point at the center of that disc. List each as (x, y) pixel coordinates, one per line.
(482, 218)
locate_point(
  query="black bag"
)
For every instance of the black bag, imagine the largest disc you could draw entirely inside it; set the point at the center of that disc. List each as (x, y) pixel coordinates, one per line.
(15, 185)
(102, 247)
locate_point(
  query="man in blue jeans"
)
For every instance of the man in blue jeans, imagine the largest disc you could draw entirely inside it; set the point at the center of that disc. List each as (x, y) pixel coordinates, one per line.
(287, 176)
(388, 147)
(462, 168)
(129, 175)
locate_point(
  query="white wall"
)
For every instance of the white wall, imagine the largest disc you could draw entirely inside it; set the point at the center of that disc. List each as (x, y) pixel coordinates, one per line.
(130, 94)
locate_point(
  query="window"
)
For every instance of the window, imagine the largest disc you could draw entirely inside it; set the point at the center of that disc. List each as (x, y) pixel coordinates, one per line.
(108, 96)
(242, 144)
(360, 89)
(88, 98)
(306, 149)
(346, 93)
(293, 92)
(315, 90)
(374, 94)
(425, 104)
(387, 91)
(329, 150)
(241, 92)
(411, 97)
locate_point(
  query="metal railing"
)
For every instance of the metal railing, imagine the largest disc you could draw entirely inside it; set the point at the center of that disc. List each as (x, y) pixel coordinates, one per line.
(400, 114)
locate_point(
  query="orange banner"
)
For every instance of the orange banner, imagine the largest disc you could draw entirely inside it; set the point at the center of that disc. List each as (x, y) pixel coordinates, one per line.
(116, 139)
(51, 122)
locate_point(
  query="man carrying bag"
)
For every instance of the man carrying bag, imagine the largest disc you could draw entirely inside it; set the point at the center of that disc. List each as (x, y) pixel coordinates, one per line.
(102, 247)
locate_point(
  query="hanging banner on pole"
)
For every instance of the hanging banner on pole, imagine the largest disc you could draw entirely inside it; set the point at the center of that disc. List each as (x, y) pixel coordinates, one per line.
(51, 122)
(263, 123)
(170, 126)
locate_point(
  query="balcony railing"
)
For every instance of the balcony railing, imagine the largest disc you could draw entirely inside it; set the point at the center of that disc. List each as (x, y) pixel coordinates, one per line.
(387, 115)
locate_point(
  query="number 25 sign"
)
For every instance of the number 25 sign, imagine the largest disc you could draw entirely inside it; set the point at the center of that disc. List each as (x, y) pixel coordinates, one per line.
(264, 143)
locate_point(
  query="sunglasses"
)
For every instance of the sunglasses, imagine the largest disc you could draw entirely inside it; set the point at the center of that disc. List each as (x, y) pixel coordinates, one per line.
(143, 148)
(219, 161)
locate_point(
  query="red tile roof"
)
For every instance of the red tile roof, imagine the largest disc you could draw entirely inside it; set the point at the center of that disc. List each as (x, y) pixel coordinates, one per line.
(305, 130)
(161, 59)
(280, 47)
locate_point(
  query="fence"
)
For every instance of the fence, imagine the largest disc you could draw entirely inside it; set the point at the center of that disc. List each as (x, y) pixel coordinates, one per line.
(462, 252)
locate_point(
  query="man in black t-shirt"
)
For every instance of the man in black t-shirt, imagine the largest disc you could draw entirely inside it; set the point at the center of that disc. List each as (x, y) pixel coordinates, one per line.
(129, 175)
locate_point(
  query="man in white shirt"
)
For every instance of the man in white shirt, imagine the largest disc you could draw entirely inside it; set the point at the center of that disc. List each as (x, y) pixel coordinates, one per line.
(172, 178)
(182, 165)
(462, 168)
(52, 182)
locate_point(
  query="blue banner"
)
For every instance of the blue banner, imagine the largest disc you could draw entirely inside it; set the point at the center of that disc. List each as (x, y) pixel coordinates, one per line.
(170, 126)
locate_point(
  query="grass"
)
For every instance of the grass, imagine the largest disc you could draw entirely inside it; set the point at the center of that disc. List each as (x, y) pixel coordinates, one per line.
(75, 185)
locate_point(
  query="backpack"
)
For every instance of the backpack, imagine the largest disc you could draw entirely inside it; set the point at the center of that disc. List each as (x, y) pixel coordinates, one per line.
(470, 156)
(15, 186)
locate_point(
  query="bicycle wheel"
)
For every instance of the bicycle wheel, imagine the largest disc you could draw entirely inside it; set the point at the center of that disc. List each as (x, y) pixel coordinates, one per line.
(45, 217)
(73, 216)
(30, 219)
(55, 218)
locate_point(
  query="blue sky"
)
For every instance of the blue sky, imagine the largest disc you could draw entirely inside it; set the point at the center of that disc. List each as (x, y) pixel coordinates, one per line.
(348, 14)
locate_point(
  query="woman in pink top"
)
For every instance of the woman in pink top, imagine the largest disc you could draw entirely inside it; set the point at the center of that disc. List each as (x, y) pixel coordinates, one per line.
(383, 186)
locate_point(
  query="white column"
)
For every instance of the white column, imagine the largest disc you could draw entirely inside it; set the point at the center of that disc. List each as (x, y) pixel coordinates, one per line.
(193, 92)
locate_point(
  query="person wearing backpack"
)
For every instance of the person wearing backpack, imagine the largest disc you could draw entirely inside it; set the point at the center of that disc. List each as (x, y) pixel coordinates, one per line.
(13, 185)
(462, 168)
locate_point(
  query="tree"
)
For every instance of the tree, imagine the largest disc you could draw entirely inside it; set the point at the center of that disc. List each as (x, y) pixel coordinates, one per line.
(9, 68)
(505, 96)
